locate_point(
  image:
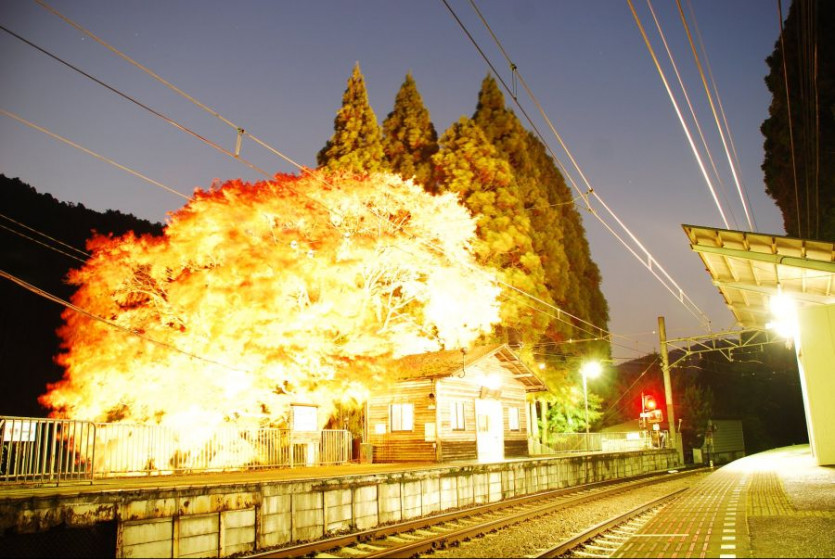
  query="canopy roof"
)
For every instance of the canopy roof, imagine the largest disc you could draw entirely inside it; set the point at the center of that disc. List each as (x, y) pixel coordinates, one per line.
(748, 267)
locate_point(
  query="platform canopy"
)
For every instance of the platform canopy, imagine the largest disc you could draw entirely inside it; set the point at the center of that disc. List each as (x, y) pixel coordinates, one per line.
(747, 268)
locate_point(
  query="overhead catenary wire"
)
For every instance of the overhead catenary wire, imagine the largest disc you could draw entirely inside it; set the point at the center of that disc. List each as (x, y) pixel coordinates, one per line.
(692, 110)
(240, 130)
(713, 110)
(170, 121)
(599, 333)
(672, 286)
(721, 108)
(678, 113)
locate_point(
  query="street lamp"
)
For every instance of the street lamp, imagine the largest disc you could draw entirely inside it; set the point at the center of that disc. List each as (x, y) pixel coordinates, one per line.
(589, 369)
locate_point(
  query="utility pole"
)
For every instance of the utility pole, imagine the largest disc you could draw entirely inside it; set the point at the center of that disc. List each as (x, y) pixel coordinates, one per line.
(668, 389)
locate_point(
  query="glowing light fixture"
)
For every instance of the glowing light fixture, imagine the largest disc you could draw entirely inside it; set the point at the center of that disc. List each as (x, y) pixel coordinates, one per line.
(590, 369)
(784, 313)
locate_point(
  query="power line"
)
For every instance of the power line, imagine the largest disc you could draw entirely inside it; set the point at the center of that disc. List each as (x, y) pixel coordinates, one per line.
(789, 116)
(94, 154)
(138, 103)
(602, 334)
(50, 247)
(131, 331)
(239, 130)
(77, 250)
(721, 108)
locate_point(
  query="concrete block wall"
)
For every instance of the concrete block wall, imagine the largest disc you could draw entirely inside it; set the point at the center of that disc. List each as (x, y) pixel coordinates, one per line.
(219, 521)
(153, 538)
(364, 507)
(430, 488)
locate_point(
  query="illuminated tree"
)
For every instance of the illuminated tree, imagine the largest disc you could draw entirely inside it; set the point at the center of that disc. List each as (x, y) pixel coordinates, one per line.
(409, 137)
(356, 145)
(470, 166)
(257, 295)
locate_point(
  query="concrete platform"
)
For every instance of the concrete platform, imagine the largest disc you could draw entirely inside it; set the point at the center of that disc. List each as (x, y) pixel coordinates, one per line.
(227, 514)
(778, 503)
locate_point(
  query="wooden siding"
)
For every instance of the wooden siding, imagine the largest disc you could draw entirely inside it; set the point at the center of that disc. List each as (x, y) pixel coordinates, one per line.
(402, 446)
(404, 451)
(410, 446)
(458, 450)
(515, 449)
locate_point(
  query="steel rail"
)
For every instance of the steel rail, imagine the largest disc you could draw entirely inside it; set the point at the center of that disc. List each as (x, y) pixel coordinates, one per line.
(428, 521)
(599, 529)
(409, 549)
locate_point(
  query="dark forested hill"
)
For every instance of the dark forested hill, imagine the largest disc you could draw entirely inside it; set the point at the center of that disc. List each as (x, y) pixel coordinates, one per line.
(28, 321)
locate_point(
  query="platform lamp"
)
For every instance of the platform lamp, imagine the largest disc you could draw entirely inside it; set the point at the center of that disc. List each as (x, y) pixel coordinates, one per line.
(589, 369)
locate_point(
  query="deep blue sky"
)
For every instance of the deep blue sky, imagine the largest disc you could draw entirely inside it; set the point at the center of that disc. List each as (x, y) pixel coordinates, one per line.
(278, 69)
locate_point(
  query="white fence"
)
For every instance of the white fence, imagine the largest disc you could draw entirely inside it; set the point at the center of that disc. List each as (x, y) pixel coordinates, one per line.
(56, 450)
(566, 443)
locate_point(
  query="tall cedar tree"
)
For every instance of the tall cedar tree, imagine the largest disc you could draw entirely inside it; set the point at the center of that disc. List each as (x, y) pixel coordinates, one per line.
(356, 145)
(469, 165)
(409, 137)
(802, 181)
(583, 296)
(573, 280)
(511, 140)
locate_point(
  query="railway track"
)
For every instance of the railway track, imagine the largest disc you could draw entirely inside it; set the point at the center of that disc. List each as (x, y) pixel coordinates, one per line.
(424, 535)
(604, 539)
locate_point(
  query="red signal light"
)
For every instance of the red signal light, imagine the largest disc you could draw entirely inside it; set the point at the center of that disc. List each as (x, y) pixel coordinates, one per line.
(649, 402)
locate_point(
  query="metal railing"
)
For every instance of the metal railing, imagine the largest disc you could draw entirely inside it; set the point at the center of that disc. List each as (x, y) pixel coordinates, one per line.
(55, 450)
(46, 450)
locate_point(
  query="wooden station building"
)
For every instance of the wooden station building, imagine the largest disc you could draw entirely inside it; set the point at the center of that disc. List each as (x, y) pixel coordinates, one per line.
(453, 405)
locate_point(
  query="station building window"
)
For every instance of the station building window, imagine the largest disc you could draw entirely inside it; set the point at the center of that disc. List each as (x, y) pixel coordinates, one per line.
(456, 416)
(513, 419)
(402, 417)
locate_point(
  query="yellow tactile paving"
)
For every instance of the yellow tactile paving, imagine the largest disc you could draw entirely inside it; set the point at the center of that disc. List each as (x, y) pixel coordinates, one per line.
(767, 497)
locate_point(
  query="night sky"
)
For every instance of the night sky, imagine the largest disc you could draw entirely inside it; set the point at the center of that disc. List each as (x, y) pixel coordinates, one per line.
(278, 69)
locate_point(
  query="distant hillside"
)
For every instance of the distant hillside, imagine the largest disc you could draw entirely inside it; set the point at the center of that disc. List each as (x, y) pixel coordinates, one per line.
(760, 385)
(28, 321)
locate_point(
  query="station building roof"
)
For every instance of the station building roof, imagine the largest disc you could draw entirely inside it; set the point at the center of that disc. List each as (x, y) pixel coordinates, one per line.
(448, 362)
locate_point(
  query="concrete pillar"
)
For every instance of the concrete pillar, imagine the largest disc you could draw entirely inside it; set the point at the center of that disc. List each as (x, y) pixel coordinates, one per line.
(815, 347)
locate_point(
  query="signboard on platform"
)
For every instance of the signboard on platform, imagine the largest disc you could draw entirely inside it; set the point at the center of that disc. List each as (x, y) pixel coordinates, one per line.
(19, 431)
(304, 417)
